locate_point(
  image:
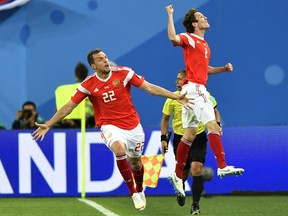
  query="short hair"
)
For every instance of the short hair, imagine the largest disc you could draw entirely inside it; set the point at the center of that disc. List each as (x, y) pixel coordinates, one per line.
(90, 55)
(183, 71)
(189, 19)
(29, 103)
(81, 71)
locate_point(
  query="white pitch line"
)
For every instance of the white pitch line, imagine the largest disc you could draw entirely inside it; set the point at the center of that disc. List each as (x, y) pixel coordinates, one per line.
(98, 207)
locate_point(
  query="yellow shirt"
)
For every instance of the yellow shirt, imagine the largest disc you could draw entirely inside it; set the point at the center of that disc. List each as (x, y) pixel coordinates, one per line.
(174, 108)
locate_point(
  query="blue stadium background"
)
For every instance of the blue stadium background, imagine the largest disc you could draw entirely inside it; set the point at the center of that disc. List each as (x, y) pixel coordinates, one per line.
(42, 41)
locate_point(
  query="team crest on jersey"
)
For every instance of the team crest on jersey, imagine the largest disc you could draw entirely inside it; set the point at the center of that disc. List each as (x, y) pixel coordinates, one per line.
(116, 82)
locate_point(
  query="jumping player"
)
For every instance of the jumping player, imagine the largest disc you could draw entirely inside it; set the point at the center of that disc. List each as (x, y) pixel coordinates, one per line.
(196, 56)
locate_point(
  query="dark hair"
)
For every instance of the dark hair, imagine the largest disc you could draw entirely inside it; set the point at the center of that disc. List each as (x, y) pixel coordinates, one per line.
(29, 103)
(81, 71)
(183, 71)
(189, 19)
(90, 55)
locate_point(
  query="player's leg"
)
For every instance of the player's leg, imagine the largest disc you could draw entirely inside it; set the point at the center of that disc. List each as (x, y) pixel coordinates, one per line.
(215, 142)
(181, 158)
(197, 187)
(198, 152)
(115, 140)
(135, 144)
(216, 145)
(190, 121)
(119, 150)
(138, 173)
(183, 150)
(176, 139)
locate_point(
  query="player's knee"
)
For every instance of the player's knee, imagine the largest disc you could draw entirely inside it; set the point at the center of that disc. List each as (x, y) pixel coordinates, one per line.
(189, 137)
(135, 163)
(213, 127)
(196, 168)
(118, 148)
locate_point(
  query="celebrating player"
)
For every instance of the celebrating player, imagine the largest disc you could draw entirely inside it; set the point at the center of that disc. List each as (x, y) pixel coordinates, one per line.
(108, 89)
(196, 56)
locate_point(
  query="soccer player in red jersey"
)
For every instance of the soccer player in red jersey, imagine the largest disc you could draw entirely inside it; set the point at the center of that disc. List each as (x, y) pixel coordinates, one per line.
(108, 89)
(196, 57)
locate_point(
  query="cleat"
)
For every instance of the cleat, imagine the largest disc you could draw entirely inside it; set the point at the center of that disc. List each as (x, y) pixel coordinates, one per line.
(138, 202)
(180, 200)
(143, 198)
(229, 170)
(195, 210)
(177, 184)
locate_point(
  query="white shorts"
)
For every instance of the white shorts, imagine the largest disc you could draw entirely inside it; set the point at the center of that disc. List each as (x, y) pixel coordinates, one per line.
(202, 110)
(132, 139)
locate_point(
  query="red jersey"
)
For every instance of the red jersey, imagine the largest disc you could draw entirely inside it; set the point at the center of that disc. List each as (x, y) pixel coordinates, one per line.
(111, 98)
(196, 56)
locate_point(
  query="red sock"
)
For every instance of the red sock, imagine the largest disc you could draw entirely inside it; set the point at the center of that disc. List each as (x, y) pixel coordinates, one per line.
(124, 168)
(138, 176)
(181, 156)
(217, 148)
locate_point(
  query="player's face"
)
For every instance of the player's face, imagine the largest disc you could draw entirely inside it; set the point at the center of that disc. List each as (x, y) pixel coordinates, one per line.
(101, 63)
(202, 21)
(179, 81)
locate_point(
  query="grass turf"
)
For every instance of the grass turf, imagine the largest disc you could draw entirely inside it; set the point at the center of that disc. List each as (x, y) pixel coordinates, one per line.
(231, 205)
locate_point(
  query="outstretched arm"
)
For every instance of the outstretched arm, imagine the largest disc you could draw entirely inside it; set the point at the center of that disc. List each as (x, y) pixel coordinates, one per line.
(159, 91)
(215, 70)
(58, 116)
(171, 28)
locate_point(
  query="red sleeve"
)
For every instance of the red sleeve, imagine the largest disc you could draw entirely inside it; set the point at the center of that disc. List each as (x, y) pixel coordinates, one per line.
(183, 41)
(78, 96)
(137, 80)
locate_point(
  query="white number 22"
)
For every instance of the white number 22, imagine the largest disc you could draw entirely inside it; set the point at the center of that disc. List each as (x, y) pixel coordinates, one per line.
(109, 96)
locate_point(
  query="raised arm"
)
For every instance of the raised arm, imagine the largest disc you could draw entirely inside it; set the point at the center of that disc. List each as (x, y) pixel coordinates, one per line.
(171, 28)
(216, 70)
(58, 116)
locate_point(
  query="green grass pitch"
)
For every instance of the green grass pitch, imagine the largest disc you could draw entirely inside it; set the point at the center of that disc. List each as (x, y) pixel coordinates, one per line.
(230, 205)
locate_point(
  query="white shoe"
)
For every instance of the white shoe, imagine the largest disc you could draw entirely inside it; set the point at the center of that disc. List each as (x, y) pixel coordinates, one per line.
(177, 184)
(138, 202)
(229, 170)
(142, 195)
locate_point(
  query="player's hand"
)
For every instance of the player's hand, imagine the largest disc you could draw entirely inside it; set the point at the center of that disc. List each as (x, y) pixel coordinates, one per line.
(164, 146)
(169, 9)
(228, 67)
(40, 132)
(185, 101)
(164, 142)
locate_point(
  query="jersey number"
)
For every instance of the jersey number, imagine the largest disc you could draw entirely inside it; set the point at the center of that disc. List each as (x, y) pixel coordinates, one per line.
(206, 52)
(109, 96)
(139, 147)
